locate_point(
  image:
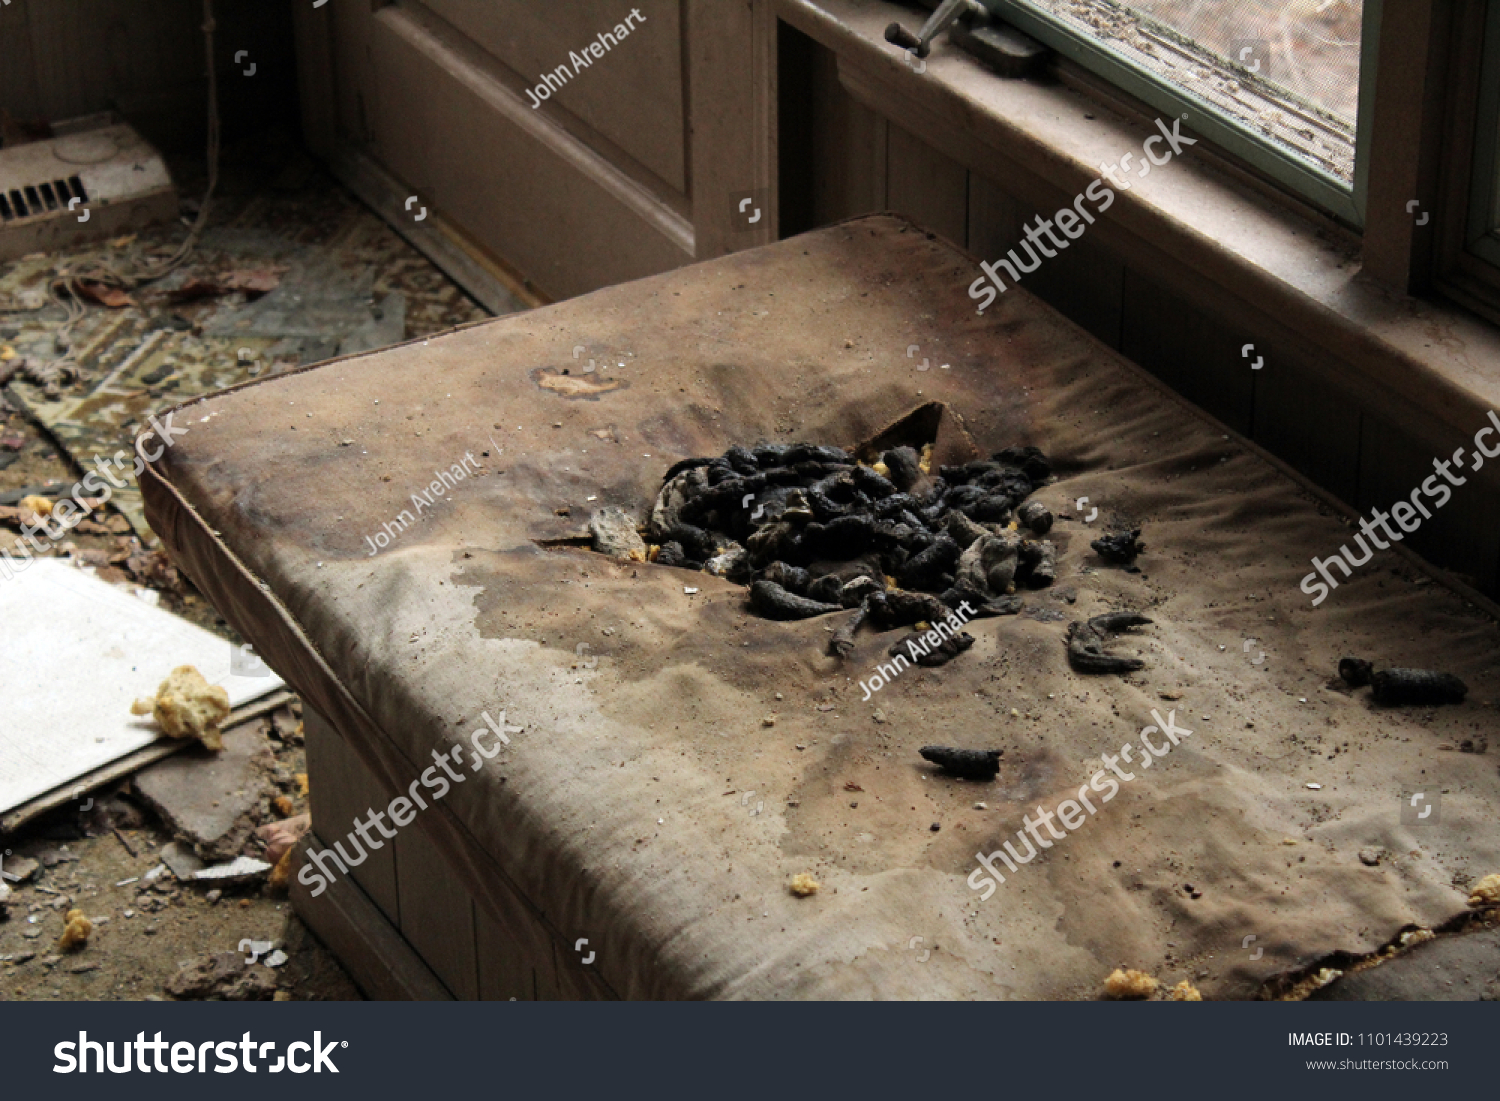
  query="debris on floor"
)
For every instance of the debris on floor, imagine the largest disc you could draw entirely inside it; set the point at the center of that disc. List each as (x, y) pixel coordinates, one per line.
(60, 741)
(1403, 687)
(223, 976)
(212, 802)
(1120, 548)
(76, 932)
(1129, 984)
(88, 822)
(279, 837)
(187, 706)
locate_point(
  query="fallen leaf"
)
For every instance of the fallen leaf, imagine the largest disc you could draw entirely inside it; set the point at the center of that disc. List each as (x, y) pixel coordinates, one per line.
(113, 297)
(255, 282)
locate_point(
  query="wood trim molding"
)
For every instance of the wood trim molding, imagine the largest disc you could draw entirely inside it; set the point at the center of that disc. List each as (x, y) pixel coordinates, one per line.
(490, 281)
(1397, 251)
(730, 72)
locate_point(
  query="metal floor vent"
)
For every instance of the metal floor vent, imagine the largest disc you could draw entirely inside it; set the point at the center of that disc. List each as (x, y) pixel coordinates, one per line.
(96, 177)
(30, 201)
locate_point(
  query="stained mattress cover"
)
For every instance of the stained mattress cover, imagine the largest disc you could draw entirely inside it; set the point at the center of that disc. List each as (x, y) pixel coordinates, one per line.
(675, 760)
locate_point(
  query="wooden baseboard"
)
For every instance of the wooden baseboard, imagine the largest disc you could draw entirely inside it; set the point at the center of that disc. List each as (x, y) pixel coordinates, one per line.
(488, 280)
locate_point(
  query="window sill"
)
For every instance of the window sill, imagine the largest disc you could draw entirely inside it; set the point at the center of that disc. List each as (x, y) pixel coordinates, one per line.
(1223, 242)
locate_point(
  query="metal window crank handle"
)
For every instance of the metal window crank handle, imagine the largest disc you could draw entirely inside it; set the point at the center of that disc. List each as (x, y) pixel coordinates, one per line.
(940, 20)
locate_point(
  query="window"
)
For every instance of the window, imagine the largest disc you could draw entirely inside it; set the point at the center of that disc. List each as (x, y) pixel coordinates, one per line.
(1274, 83)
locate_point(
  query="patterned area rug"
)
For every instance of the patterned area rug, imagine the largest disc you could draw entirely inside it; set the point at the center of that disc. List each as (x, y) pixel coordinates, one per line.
(291, 270)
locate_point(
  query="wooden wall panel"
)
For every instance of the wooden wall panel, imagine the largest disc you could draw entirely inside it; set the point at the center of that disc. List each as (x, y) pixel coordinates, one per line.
(1196, 355)
(341, 790)
(19, 93)
(633, 95)
(1309, 423)
(1463, 535)
(731, 88)
(927, 186)
(92, 53)
(832, 150)
(60, 59)
(437, 914)
(558, 212)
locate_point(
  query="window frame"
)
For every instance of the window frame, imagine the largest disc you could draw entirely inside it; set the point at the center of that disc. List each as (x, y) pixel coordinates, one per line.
(1465, 266)
(1344, 202)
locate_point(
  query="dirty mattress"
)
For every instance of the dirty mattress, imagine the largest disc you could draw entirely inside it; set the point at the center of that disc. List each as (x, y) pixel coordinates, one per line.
(403, 536)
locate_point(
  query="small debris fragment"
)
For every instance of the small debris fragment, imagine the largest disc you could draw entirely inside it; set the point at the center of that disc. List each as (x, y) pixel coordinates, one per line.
(20, 869)
(281, 836)
(1416, 687)
(182, 861)
(1086, 642)
(804, 885)
(1486, 892)
(920, 649)
(1035, 516)
(1403, 687)
(276, 958)
(966, 764)
(1370, 858)
(1355, 672)
(1129, 984)
(242, 869)
(614, 533)
(1314, 787)
(1119, 547)
(224, 976)
(187, 706)
(279, 882)
(76, 932)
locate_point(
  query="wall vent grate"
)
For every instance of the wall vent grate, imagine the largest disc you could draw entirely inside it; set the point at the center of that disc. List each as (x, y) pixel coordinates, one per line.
(34, 200)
